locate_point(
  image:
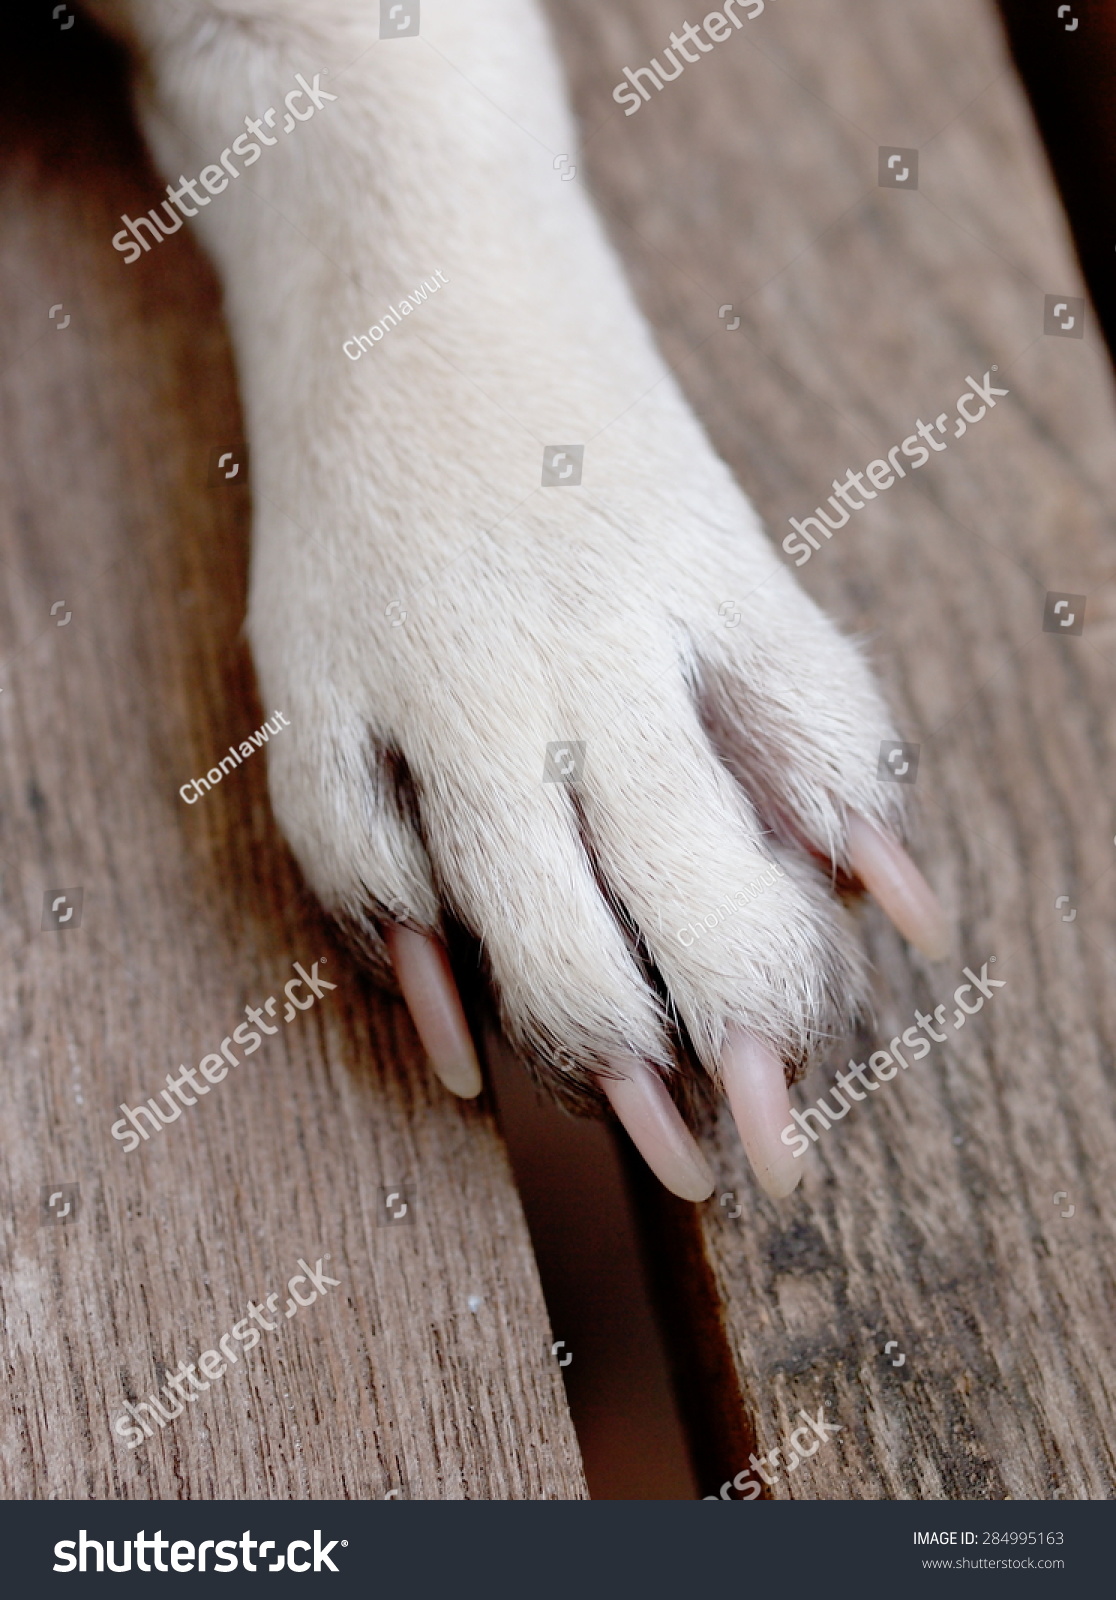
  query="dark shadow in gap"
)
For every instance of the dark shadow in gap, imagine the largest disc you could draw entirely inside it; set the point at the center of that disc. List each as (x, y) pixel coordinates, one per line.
(1068, 67)
(584, 1232)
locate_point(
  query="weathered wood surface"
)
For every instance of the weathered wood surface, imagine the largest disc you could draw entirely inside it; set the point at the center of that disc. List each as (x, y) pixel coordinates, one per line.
(930, 1216)
(939, 1214)
(427, 1370)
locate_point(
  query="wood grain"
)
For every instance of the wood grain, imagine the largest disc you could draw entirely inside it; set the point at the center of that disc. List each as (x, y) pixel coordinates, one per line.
(931, 1215)
(427, 1370)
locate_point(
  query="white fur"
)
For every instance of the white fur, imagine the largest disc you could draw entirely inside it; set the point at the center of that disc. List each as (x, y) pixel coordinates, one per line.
(412, 477)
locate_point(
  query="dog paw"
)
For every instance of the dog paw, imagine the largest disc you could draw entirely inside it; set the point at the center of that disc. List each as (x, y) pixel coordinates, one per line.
(548, 728)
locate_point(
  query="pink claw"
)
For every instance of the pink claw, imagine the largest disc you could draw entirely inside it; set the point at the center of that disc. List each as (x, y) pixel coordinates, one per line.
(757, 1095)
(888, 873)
(642, 1102)
(428, 986)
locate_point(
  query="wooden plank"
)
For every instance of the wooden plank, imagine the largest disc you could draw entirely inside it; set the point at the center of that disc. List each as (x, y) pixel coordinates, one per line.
(425, 1369)
(965, 1211)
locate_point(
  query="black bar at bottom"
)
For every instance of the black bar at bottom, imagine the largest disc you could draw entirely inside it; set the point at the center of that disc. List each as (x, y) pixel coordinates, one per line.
(560, 1550)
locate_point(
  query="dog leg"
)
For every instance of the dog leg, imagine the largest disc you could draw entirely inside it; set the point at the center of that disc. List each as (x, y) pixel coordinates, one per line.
(490, 545)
